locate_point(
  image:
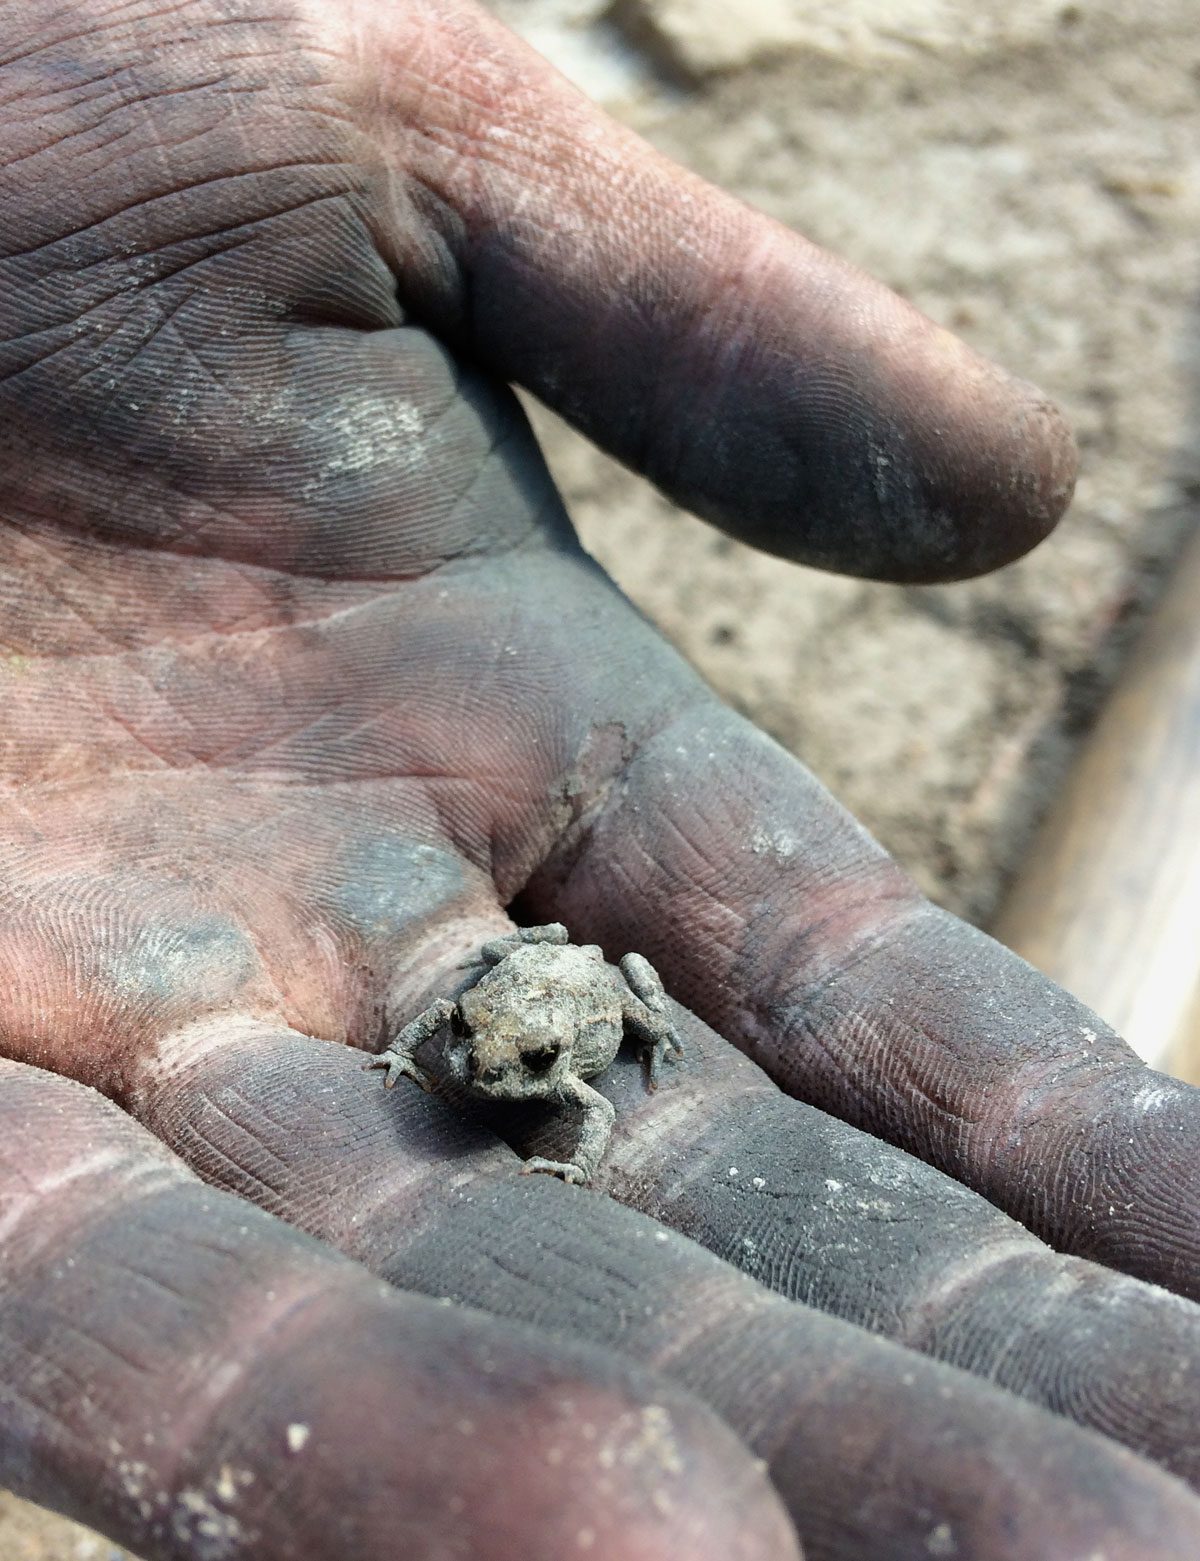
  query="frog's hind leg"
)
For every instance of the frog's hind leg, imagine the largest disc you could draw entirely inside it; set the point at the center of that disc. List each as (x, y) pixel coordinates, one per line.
(644, 1010)
(496, 949)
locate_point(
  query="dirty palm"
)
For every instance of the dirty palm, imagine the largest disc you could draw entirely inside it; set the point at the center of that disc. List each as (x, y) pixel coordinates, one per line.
(307, 682)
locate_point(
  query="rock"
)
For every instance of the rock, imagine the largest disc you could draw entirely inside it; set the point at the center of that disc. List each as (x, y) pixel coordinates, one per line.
(708, 37)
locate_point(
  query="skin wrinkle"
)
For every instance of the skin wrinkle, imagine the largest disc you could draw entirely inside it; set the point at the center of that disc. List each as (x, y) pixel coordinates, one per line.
(183, 197)
(969, 1272)
(226, 1169)
(213, 758)
(262, 632)
(789, 1025)
(23, 1223)
(290, 615)
(181, 535)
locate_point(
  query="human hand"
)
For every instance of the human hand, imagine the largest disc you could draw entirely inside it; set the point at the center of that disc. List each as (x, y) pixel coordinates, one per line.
(308, 681)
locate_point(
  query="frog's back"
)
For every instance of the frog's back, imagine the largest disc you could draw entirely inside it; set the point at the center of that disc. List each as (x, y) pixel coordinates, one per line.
(579, 977)
(572, 969)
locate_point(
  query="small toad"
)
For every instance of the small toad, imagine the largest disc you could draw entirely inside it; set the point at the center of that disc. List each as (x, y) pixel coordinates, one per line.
(547, 1015)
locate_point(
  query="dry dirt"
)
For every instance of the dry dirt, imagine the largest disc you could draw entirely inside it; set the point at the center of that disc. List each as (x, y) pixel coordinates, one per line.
(1029, 174)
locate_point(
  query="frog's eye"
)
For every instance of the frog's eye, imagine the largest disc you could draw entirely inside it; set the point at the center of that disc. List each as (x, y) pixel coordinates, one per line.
(458, 1024)
(541, 1060)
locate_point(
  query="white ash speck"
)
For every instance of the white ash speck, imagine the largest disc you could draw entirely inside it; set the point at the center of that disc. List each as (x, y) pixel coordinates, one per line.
(1151, 1096)
(229, 1482)
(779, 843)
(941, 1541)
(204, 1530)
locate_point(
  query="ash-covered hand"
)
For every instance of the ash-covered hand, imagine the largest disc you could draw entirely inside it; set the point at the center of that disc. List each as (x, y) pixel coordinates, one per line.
(306, 681)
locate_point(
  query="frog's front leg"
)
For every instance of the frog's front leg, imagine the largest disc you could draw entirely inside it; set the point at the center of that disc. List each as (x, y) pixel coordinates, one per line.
(598, 1116)
(644, 1010)
(398, 1058)
(496, 949)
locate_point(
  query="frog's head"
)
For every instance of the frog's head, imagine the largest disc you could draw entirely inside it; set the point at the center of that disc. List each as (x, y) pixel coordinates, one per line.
(503, 1051)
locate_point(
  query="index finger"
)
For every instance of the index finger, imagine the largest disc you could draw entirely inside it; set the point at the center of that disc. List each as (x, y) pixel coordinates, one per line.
(759, 381)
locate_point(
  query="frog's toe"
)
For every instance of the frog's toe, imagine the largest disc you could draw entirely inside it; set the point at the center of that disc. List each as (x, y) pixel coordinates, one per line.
(654, 1056)
(566, 1169)
(398, 1067)
(382, 1061)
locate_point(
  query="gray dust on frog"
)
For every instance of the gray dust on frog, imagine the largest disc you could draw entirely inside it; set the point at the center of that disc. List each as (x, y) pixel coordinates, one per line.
(546, 1016)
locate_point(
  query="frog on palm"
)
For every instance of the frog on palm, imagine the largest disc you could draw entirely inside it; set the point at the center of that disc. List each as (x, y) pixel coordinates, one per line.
(547, 1016)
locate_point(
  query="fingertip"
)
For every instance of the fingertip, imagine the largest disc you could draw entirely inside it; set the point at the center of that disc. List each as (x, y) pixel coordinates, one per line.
(504, 1442)
(1126, 1193)
(887, 448)
(997, 461)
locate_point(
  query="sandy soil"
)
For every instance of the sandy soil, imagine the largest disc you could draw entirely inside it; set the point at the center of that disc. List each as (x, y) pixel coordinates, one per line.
(1029, 174)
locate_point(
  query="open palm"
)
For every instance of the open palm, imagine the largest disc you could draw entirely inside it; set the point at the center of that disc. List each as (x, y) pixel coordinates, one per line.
(309, 690)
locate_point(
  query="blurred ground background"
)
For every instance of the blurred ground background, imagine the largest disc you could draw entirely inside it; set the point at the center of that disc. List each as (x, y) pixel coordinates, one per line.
(1029, 174)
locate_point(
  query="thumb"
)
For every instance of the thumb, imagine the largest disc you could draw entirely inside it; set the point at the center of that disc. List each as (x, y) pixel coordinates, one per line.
(765, 384)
